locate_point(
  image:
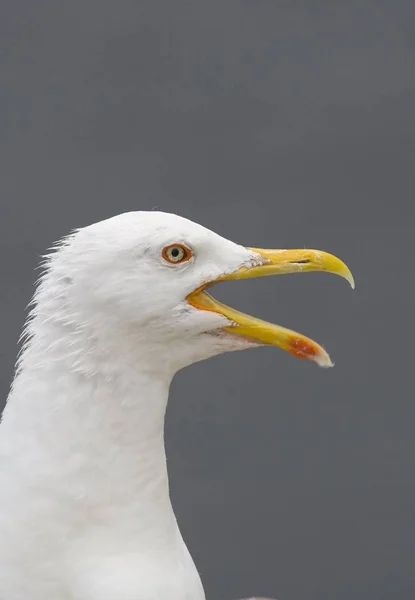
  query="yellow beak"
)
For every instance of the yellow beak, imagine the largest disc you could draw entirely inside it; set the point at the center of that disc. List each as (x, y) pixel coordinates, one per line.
(274, 262)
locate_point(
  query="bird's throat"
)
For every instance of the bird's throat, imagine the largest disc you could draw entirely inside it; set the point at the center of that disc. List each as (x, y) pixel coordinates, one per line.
(87, 456)
(98, 442)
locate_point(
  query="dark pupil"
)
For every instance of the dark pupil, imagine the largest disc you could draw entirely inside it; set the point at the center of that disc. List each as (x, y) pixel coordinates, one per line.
(175, 252)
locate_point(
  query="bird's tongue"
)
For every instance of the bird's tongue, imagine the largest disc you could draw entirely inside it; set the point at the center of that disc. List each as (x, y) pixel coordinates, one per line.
(261, 331)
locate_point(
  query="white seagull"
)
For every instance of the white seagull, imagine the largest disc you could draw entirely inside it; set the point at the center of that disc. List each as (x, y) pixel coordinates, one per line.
(85, 512)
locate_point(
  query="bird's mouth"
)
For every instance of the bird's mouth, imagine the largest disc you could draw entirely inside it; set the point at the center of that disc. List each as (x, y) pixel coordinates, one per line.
(273, 262)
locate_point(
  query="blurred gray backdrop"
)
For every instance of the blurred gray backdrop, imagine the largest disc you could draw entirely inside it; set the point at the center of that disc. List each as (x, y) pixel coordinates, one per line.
(276, 124)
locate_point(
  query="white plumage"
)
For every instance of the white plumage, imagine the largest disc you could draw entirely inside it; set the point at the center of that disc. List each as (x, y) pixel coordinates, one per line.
(85, 512)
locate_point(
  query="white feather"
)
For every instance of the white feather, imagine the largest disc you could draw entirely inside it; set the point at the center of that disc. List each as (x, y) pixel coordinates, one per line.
(85, 512)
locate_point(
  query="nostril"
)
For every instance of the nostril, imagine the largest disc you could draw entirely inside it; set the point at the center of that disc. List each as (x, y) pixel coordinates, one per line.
(303, 261)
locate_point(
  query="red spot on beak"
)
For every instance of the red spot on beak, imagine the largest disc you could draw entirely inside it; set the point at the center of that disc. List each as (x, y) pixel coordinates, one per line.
(302, 348)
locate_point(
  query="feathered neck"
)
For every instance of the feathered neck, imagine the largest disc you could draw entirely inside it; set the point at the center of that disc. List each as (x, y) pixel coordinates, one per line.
(86, 416)
(85, 499)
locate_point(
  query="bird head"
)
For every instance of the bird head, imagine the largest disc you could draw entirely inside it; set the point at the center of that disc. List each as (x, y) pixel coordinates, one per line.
(146, 274)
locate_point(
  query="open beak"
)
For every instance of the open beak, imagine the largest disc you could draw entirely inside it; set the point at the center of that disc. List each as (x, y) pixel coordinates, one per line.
(274, 262)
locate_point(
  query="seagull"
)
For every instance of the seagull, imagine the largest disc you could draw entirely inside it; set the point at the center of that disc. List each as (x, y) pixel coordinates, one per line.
(120, 307)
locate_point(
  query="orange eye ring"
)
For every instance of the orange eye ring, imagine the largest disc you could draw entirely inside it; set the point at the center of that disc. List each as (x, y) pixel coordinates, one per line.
(176, 254)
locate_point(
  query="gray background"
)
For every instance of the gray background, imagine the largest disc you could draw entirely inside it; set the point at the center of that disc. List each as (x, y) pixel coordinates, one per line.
(277, 124)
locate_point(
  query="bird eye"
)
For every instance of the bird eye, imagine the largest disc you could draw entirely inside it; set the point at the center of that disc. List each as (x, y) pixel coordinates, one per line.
(176, 253)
